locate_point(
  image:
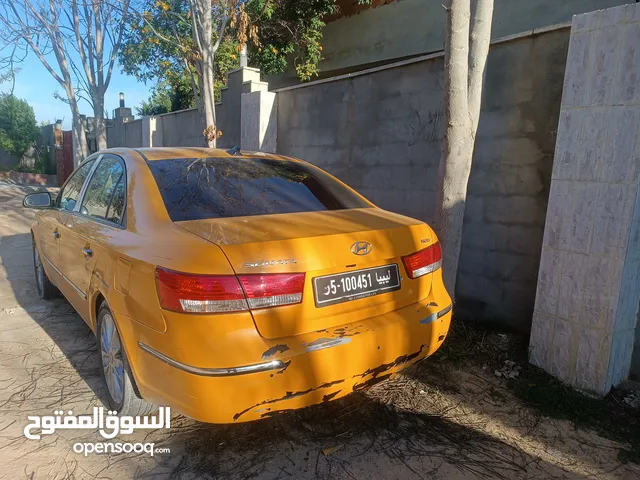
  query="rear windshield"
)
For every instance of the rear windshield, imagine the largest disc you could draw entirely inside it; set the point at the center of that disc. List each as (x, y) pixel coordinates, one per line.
(199, 188)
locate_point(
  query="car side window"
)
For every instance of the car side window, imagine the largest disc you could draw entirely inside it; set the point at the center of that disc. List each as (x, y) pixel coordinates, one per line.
(68, 196)
(115, 213)
(102, 188)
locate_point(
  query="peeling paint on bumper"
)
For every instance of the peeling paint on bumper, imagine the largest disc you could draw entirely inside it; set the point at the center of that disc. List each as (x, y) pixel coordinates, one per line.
(319, 367)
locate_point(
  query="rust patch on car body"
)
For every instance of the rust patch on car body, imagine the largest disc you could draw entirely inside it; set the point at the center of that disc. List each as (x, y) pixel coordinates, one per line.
(376, 373)
(329, 396)
(280, 348)
(386, 366)
(348, 331)
(277, 412)
(286, 365)
(371, 382)
(288, 396)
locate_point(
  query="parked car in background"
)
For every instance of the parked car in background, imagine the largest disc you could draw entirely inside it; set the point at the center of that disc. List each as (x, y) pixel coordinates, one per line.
(236, 285)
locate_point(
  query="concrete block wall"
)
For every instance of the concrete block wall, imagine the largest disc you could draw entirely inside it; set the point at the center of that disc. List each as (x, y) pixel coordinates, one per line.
(180, 129)
(406, 28)
(381, 133)
(588, 292)
(184, 128)
(259, 131)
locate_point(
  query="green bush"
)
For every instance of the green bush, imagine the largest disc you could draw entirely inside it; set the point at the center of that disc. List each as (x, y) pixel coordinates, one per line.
(18, 128)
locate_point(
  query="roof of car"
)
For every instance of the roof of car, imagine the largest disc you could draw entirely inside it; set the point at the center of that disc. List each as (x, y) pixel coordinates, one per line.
(167, 153)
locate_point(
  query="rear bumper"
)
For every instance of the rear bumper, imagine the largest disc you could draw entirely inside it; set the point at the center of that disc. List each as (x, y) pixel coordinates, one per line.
(295, 372)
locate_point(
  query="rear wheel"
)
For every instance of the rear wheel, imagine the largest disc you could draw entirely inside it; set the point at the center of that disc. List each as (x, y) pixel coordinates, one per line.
(121, 393)
(46, 289)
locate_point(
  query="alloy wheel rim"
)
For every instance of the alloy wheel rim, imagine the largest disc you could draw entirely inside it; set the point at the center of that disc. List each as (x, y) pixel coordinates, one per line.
(112, 360)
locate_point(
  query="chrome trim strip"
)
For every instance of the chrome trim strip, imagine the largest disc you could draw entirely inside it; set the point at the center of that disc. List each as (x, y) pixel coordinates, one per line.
(442, 313)
(53, 266)
(215, 372)
(101, 221)
(429, 269)
(323, 343)
(436, 315)
(80, 292)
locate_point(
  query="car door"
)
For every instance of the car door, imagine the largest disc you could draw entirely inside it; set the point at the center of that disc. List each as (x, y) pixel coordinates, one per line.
(67, 203)
(46, 232)
(90, 225)
(49, 223)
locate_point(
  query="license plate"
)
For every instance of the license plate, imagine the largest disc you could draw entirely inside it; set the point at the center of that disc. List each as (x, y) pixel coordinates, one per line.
(344, 287)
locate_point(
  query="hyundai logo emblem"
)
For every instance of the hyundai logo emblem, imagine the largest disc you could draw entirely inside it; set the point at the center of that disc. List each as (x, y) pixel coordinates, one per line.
(361, 248)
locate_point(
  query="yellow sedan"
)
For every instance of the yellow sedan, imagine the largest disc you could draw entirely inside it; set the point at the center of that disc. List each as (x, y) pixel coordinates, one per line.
(233, 286)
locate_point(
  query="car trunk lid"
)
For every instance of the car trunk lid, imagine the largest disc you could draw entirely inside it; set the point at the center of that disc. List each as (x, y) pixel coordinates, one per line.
(320, 244)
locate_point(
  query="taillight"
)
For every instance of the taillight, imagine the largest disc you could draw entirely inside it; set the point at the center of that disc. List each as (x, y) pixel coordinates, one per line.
(183, 292)
(424, 261)
(272, 290)
(189, 293)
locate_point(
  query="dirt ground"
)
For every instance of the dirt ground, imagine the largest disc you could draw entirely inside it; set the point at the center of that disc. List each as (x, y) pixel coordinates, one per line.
(438, 420)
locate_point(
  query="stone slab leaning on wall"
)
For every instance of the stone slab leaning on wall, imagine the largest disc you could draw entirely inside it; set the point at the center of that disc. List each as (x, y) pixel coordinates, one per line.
(585, 319)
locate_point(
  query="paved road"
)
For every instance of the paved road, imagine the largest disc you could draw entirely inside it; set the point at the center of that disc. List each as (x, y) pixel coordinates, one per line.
(449, 425)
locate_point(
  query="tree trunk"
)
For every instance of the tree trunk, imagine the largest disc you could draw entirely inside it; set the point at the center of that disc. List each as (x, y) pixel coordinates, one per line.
(100, 124)
(480, 38)
(80, 149)
(209, 105)
(464, 74)
(202, 30)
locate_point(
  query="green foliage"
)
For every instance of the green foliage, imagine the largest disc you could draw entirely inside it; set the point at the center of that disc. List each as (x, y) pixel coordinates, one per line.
(279, 32)
(159, 102)
(289, 28)
(46, 162)
(227, 59)
(161, 49)
(144, 54)
(18, 127)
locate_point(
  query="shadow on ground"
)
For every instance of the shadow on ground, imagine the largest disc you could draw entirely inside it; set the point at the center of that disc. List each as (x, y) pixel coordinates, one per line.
(413, 426)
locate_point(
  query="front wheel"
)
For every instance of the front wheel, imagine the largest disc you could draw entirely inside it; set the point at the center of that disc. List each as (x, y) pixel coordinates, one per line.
(121, 394)
(46, 289)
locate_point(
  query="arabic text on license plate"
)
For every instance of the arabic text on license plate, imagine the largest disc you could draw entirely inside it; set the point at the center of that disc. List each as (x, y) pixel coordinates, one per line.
(343, 287)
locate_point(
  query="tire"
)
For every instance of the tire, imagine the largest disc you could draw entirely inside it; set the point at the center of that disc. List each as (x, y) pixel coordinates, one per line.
(121, 393)
(46, 289)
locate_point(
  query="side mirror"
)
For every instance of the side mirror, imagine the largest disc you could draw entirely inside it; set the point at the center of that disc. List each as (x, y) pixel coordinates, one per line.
(38, 200)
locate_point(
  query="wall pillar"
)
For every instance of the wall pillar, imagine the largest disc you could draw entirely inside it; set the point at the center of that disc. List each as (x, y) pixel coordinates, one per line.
(56, 146)
(151, 132)
(588, 294)
(258, 123)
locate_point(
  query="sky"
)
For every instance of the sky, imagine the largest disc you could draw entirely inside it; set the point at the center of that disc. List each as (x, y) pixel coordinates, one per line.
(35, 85)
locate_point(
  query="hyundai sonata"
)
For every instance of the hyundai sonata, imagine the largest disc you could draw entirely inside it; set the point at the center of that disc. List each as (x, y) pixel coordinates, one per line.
(236, 285)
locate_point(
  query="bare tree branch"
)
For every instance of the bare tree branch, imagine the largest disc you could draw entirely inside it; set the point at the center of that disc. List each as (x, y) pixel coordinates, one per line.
(36, 26)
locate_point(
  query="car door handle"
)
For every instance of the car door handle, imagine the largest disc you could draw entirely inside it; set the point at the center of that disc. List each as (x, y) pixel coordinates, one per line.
(56, 234)
(87, 252)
